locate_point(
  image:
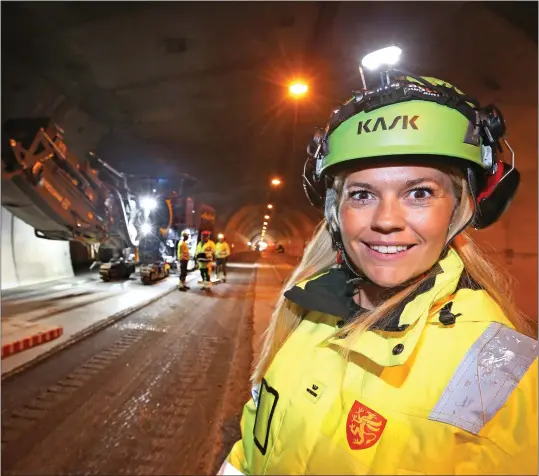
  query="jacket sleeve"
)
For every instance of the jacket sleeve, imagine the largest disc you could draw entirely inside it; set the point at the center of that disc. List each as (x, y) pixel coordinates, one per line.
(240, 457)
(510, 437)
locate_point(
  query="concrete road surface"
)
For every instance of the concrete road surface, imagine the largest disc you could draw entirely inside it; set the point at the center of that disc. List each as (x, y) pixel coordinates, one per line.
(159, 392)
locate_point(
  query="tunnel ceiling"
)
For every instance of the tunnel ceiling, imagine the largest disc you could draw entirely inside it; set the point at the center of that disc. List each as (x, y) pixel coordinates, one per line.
(201, 88)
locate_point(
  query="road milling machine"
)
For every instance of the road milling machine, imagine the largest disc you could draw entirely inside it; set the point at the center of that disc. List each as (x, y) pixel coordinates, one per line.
(64, 198)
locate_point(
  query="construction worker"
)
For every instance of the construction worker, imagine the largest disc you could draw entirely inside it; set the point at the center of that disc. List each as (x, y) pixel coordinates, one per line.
(183, 258)
(204, 254)
(222, 252)
(396, 347)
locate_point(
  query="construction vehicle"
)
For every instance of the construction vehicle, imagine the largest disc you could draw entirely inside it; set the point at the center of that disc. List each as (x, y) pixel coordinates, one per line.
(64, 198)
(150, 273)
(116, 269)
(164, 200)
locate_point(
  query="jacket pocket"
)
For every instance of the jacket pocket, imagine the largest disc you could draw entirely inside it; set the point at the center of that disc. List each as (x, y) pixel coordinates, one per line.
(267, 402)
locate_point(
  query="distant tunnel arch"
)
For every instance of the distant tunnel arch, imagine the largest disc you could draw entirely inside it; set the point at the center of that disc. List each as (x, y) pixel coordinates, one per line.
(290, 227)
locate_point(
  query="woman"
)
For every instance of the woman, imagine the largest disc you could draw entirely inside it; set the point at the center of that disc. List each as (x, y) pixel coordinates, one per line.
(395, 348)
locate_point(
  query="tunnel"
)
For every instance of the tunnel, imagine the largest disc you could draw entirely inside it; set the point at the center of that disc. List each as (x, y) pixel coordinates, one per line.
(289, 227)
(232, 367)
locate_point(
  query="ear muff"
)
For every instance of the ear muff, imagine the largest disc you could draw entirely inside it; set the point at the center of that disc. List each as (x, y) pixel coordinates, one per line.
(313, 188)
(496, 195)
(495, 190)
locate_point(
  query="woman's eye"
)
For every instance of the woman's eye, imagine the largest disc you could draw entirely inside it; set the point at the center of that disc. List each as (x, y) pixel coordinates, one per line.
(421, 193)
(361, 195)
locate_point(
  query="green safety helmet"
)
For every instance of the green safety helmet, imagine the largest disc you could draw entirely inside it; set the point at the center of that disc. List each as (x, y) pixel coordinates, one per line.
(420, 119)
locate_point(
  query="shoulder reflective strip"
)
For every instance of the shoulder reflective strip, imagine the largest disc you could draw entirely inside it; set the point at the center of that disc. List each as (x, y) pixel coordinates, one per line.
(228, 469)
(255, 392)
(485, 378)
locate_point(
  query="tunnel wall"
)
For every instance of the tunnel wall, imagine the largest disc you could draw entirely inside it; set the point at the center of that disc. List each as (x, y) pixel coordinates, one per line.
(28, 260)
(512, 242)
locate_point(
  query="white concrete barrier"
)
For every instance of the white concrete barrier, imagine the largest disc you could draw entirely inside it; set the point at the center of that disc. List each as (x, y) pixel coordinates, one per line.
(28, 260)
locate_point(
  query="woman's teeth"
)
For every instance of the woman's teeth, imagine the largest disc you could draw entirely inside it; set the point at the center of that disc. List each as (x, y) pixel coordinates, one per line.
(389, 249)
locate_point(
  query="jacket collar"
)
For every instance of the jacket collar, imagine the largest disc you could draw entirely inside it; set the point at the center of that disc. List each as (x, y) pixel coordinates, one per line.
(329, 293)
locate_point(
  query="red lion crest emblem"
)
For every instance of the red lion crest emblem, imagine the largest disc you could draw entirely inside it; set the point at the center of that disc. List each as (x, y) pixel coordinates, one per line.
(363, 427)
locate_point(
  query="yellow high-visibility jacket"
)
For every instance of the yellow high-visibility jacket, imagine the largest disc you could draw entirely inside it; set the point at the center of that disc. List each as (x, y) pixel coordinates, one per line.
(183, 251)
(208, 250)
(440, 389)
(222, 250)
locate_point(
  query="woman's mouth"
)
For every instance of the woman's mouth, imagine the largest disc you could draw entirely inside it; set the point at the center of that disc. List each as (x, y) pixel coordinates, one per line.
(388, 251)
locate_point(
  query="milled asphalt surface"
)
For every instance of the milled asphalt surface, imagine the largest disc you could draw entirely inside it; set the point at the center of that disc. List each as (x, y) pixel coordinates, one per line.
(159, 392)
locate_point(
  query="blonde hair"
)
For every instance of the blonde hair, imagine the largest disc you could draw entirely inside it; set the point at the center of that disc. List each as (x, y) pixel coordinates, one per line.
(319, 256)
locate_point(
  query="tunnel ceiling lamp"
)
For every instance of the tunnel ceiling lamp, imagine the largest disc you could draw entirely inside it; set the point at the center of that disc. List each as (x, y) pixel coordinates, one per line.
(276, 182)
(220, 236)
(148, 203)
(383, 57)
(270, 206)
(265, 223)
(266, 217)
(249, 243)
(298, 88)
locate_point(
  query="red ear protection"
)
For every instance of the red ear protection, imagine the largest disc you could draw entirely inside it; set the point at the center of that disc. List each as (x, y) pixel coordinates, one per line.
(496, 195)
(492, 182)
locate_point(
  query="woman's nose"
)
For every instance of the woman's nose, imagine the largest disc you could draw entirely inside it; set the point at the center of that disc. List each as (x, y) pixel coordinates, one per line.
(388, 217)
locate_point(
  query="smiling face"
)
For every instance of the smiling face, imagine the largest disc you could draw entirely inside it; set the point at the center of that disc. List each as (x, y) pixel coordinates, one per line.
(394, 220)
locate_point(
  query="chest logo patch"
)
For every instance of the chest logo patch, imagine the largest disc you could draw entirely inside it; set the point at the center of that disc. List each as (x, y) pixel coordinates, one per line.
(364, 427)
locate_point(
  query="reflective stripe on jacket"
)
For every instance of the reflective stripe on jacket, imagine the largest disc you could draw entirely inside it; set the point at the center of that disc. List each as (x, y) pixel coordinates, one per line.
(418, 396)
(222, 250)
(183, 251)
